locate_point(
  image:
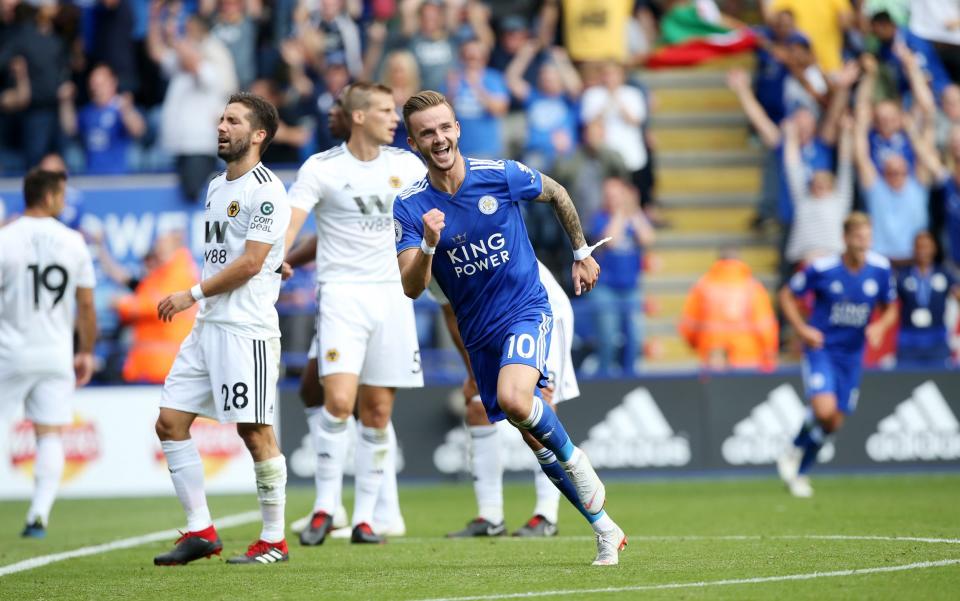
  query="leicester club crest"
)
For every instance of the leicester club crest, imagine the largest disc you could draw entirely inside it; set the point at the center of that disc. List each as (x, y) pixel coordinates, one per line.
(395, 182)
(488, 205)
(234, 209)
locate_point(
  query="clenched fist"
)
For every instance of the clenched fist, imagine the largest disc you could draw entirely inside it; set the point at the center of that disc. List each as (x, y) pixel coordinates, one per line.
(433, 224)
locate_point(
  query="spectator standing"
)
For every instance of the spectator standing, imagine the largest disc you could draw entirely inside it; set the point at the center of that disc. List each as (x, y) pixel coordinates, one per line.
(235, 25)
(923, 289)
(623, 110)
(424, 32)
(480, 98)
(773, 55)
(201, 78)
(617, 299)
(332, 30)
(169, 267)
(590, 165)
(402, 75)
(821, 207)
(294, 130)
(728, 318)
(112, 41)
(45, 56)
(550, 105)
(938, 23)
(596, 30)
(823, 22)
(805, 86)
(892, 41)
(895, 199)
(107, 126)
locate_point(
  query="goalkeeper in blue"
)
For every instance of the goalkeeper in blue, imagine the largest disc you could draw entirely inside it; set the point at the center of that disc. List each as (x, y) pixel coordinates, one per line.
(461, 226)
(845, 289)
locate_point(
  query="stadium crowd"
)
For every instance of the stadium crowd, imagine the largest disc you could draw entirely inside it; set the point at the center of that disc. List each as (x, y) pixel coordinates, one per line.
(858, 104)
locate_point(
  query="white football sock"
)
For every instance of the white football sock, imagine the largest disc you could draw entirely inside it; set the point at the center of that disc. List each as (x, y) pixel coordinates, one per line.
(373, 446)
(271, 477)
(186, 471)
(386, 514)
(487, 469)
(330, 444)
(47, 470)
(548, 496)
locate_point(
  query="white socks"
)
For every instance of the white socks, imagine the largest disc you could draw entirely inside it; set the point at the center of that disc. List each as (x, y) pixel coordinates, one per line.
(47, 470)
(329, 436)
(487, 469)
(271, 477)
(373, 446)
(386, 514)
(548, 496)
(186, 472)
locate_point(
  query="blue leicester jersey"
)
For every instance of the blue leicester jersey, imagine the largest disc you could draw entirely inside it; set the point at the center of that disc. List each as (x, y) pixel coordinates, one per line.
(923, 303)
(484, 263)
(844, 301)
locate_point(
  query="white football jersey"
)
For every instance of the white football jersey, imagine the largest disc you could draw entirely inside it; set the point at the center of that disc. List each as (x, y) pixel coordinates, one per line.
(352, 201)
(252, 207)
(42, 263)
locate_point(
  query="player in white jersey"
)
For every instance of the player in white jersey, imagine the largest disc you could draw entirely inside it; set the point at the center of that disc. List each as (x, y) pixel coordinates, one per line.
(228, 366)
(46, 289)
(367, 338)
(486, 464)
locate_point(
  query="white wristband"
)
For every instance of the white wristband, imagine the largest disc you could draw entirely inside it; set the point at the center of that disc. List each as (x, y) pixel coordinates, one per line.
(585, 251)
(197, 293)
(427, 250)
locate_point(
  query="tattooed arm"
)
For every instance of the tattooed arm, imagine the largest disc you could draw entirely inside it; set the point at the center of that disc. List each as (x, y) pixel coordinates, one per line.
(586, 272)
(567, 213)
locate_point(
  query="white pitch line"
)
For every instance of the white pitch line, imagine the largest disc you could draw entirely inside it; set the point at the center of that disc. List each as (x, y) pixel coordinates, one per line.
(699, 537)
(707, 583)
(229, 521)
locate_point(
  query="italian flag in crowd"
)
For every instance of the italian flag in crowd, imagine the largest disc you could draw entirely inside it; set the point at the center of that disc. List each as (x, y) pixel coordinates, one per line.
(688, 39)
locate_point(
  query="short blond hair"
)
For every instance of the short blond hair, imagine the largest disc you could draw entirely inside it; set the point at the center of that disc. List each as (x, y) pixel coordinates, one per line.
(356, 97)
(854, 220)
(421, 101)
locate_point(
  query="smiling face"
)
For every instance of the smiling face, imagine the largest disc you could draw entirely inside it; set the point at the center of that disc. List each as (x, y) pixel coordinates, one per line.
(895, 171)
(435, 133)
(235, 134)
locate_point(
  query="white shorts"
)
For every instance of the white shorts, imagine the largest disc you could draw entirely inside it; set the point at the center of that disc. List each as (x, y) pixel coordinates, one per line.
(224, 376)
(46, 397)
(560, 372)
(368, 330)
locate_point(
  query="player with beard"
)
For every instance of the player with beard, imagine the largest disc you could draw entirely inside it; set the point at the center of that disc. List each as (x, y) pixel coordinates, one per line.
(462, 226)
(367, 340)
(228, 366)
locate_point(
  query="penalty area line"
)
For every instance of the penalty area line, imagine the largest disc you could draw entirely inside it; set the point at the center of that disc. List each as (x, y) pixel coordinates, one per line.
(237, 519)
(708, 583)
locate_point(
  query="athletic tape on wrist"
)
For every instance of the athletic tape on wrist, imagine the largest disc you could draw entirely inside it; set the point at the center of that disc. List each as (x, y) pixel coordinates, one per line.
(197, 293)
(585, 251)
(426, 249)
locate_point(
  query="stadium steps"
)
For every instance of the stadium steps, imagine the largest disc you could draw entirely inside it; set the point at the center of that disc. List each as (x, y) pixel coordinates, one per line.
(708, 179)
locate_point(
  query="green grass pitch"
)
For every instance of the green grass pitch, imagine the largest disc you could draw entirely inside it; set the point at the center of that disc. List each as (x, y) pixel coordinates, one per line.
(681, 532)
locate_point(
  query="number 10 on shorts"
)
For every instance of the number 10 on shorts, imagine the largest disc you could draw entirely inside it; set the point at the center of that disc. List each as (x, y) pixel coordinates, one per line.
(523, 344)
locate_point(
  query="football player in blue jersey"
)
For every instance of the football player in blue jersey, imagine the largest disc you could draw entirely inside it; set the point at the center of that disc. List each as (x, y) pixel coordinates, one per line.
(845, 288)
(462, 226)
